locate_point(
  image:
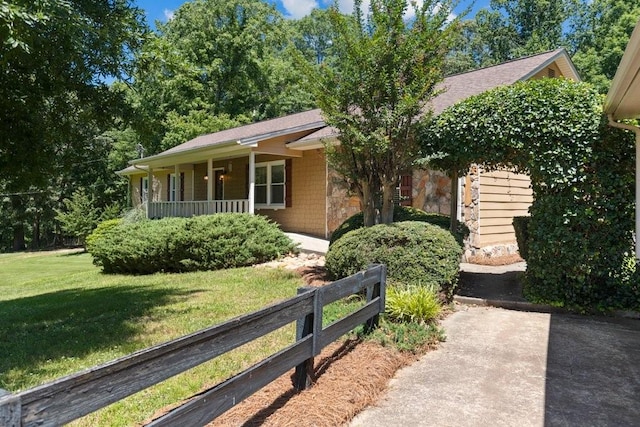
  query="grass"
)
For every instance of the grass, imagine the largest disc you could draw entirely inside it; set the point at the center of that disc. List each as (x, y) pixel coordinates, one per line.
(59, 315)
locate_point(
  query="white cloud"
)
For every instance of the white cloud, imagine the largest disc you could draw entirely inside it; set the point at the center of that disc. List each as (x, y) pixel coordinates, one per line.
(168, 14)
(298, 8)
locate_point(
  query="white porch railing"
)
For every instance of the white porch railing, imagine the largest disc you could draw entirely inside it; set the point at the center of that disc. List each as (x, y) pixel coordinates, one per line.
(193, 208)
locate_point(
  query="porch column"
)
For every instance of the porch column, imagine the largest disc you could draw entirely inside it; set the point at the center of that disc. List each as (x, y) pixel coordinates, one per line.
(149, 189)
(210, 179)
(252, 182)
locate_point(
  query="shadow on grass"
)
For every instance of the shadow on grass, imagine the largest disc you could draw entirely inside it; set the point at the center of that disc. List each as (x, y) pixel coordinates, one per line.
(72, 323)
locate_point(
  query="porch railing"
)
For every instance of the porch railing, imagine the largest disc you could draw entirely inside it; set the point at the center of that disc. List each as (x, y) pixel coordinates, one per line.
(199, 207)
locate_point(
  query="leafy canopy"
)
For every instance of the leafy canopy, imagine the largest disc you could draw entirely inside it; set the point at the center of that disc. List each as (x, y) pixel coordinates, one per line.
(383, 71)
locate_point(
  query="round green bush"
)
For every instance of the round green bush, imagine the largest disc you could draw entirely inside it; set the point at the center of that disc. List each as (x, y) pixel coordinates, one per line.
(101, 230)
(415, 253)
(208, 242)
(401, 214)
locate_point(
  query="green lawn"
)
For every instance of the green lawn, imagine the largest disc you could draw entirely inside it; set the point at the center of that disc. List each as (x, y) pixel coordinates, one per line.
(59, 315)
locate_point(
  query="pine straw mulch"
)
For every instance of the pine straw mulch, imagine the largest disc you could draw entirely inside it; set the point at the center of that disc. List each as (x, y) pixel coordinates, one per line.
(349, 375)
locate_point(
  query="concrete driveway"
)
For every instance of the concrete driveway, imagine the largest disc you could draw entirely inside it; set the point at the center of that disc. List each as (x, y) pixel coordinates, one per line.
(511, 368)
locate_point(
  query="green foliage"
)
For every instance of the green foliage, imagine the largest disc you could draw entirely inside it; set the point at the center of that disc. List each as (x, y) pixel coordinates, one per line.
(401, 214)
(600, 33)
(184, 128)
(415, 253)
(521, 227)
(412, 304)
(225, 60)
(80, 216)
(411, 337)
(383, 73)
(208, 242)
(581, 226)
(510, 29)
(101, 230)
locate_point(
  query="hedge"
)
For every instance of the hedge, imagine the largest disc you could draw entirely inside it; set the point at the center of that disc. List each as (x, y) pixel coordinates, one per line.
(400, 214)
(415, 253)
(208, 242)
(582, 176)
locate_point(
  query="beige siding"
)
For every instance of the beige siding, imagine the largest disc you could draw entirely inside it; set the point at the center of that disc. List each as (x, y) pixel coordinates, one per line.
(503, 195)
(550, 71)
(200, 184)
(307, 213)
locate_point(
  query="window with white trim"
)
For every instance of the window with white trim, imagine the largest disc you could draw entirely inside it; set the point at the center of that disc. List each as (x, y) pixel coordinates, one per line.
(270, 184)
(144, 190)
(172, 188)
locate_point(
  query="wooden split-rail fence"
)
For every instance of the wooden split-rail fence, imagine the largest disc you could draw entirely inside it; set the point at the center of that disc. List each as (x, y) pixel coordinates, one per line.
(76, 395)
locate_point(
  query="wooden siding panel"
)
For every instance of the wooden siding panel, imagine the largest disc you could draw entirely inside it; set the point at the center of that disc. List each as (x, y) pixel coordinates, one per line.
(503, 195)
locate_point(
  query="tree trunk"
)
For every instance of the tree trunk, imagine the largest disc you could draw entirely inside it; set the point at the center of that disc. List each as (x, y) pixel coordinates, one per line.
(368, 205)
(388, 194)
(18, 215)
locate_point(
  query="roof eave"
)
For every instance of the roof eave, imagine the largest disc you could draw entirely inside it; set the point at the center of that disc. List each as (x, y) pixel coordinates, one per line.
(561, 55)
(619, 103)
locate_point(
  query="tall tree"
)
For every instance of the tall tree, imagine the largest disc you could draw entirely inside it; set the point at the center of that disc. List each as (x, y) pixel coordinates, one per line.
(314, 35)
(216, 58)
(55, 59)
(600, 33)
(385, 71)
(509, 29)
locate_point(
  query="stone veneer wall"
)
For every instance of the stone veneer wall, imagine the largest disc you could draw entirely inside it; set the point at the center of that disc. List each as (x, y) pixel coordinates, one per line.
(340, 204)
(431, 191)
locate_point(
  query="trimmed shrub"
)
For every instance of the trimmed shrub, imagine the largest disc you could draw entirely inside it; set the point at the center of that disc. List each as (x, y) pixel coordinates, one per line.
(521, 227)
(401, 214)
(187, 244)
(412, 304)
(415, 253)
(101, 230)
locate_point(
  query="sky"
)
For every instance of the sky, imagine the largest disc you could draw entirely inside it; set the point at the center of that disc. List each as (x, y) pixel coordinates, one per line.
(162, 10)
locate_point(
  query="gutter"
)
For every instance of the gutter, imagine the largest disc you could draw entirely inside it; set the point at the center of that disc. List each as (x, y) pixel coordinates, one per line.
(636, 131)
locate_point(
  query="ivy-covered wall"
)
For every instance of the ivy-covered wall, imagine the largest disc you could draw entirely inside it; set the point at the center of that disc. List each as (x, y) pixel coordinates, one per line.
(582, 172)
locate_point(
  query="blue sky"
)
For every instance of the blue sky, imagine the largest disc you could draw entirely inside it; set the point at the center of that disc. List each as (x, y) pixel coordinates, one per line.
(162, 10)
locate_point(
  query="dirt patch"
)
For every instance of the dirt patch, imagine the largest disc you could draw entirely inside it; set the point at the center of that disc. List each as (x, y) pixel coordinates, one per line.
(495, 260)
(350, 376)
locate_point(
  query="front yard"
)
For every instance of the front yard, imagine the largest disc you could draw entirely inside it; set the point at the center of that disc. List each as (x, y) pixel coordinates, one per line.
(59, 315)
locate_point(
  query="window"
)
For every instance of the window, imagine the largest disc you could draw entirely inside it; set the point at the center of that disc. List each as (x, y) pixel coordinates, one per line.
(144, 189)
(270, 185)
(175, 194)
(172, 188)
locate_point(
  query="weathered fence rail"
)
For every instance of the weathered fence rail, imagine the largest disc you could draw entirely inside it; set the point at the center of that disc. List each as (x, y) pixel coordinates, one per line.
(76, 395)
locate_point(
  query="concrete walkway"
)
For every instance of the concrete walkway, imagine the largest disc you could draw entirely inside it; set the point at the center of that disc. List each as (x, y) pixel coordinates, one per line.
(310, 244)
(516, 368)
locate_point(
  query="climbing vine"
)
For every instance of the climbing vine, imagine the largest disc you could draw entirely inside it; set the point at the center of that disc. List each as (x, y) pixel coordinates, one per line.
(581, 227)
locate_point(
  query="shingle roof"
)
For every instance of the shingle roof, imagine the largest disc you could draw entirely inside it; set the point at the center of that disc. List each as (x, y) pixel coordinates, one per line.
(311, 119)
(458, 87)
(462, 86)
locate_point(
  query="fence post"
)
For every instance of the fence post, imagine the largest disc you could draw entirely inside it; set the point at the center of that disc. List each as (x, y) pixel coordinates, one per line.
(10, 409)
(377, 291)
(303, 376)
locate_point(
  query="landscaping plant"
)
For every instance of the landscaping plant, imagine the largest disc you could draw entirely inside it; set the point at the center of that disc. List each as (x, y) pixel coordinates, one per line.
(400, 214)
(415, 253)
(207, 242)
(582, 175)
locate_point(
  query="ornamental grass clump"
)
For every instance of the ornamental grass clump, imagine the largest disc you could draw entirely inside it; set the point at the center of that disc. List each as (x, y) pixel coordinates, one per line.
(412, 304)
